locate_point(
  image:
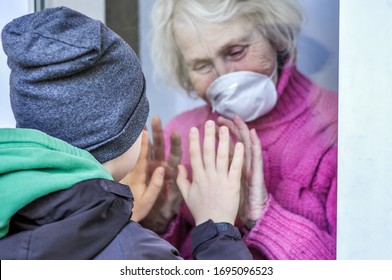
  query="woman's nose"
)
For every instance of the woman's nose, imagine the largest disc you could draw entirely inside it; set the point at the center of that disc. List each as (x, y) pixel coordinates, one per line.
(222, 68)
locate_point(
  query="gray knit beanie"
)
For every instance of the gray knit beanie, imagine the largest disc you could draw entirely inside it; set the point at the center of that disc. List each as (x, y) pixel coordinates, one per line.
(75, 79)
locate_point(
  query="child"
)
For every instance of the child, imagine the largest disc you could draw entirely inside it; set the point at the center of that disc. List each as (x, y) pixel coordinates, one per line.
(78, 96)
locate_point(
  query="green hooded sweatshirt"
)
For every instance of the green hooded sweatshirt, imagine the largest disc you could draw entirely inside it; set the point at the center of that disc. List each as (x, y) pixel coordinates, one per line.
(34, 164)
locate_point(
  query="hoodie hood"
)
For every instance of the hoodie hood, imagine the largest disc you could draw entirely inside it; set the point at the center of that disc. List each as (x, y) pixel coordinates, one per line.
(34, 164)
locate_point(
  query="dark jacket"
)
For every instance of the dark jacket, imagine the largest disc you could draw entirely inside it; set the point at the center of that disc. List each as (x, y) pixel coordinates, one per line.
(90, 220)
(86, 220)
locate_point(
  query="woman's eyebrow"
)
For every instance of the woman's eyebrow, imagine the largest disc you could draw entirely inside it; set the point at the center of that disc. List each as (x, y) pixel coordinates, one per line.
(245, 39)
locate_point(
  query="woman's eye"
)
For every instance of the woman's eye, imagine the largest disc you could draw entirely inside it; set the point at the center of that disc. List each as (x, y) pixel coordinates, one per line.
(202, 68)
(236, 52)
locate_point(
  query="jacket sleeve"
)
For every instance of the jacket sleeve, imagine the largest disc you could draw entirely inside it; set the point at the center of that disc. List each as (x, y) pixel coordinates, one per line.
(218, 241)
(137, 243)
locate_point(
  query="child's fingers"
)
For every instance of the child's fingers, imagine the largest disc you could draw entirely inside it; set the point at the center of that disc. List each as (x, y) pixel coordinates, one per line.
(236, 165)
(230, 124)
(154, 188)
(144, 145)
(138, 173)
(183, 182)
(195, 153)
(222, 160)
(209, 147)
(231, 143)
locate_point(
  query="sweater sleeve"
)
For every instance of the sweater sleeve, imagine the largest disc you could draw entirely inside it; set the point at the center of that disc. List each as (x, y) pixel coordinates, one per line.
(282, 234)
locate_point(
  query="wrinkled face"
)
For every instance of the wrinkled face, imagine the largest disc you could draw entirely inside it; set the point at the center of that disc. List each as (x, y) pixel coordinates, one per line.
(218, 49)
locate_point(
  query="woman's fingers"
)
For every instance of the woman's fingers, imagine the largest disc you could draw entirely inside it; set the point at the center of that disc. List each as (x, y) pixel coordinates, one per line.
(244, 137)
(257, 170)
(195, 153)
(175, 150)
(158, 148)
(257, 159)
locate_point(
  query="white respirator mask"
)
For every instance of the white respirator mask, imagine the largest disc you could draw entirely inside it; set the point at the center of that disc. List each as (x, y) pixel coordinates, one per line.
(244, 93)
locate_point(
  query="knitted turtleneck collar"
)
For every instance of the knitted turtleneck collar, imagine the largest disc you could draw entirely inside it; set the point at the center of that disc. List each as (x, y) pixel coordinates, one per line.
(293, 90)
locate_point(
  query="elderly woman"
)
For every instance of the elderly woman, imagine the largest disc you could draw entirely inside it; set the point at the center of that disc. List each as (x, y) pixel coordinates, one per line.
(239, 56)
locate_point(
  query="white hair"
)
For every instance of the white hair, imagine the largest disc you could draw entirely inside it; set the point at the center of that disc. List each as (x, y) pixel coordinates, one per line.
(278, 20)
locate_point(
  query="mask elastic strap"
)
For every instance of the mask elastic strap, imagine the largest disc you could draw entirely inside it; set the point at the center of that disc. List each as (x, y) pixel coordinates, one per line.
(274, 72)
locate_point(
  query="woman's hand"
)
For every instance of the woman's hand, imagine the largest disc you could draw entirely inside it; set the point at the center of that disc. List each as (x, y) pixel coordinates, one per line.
(144, 196)
(253, 192)
(214, 192)
(169, 200)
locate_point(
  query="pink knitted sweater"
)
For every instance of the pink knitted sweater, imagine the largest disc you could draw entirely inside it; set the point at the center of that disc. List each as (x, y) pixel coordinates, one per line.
(299, 142)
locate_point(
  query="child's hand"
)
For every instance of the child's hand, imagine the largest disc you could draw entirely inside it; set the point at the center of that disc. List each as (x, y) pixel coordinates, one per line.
(144, 196)
(215, 190)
